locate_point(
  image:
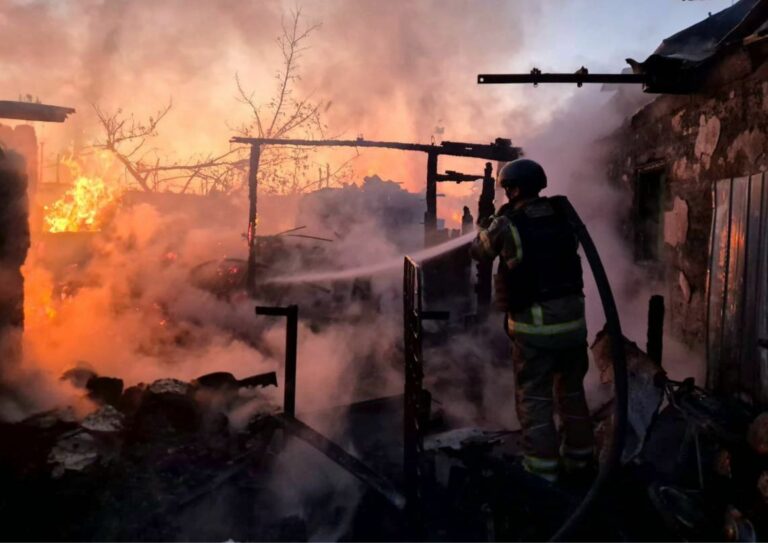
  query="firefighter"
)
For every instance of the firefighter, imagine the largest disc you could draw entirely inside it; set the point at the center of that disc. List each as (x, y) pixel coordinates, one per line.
(539, 287)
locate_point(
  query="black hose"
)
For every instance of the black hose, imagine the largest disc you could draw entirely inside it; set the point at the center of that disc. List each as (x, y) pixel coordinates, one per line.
(613, 327)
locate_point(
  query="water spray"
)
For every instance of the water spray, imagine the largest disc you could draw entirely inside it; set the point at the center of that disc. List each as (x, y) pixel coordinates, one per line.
(390, 264)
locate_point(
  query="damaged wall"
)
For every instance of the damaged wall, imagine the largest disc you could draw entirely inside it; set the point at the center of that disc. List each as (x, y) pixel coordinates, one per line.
(14, 244)
(693, 141)
(23, 140)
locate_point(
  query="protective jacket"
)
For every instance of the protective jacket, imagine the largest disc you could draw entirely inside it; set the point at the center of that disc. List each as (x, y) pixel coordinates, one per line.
(549, 266)
(539, 282)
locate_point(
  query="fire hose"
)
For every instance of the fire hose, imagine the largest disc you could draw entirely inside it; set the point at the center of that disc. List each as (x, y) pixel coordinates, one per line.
(613, 327)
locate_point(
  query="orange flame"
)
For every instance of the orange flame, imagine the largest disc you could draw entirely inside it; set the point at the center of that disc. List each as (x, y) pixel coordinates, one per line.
(40, 303)
(82, 208)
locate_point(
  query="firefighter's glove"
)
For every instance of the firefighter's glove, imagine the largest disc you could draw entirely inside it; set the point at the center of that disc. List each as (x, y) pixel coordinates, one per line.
(484, 222)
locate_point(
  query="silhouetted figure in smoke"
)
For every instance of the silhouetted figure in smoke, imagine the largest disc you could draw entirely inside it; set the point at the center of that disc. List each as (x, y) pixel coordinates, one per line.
(540, 288)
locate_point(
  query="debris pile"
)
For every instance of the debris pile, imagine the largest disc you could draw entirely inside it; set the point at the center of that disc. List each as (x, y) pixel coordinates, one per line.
(129, 467)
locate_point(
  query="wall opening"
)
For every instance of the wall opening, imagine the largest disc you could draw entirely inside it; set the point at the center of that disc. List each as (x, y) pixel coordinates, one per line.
(649, 216)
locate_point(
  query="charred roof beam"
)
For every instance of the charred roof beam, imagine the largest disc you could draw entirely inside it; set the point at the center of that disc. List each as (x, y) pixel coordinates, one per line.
(499, 150)
(579, 77)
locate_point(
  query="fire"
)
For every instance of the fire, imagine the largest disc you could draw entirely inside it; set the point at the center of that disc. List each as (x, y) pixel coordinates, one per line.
(83, 208)
(40, 302)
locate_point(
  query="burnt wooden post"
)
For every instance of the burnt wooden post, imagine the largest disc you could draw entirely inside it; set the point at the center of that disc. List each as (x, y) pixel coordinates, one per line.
(291, 312)
(430, 216)
(485, 210)
(654, 345)
(253, 219)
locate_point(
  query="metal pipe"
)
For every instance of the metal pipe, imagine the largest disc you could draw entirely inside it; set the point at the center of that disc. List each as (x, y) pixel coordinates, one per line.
(291, 312)
(578, 78)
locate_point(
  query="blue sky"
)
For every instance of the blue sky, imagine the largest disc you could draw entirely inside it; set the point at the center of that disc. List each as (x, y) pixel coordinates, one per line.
(600, 34)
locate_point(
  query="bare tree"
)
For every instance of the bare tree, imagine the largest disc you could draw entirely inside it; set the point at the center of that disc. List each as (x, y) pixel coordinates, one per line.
(127, 138)
(290, 169)
(282, 169)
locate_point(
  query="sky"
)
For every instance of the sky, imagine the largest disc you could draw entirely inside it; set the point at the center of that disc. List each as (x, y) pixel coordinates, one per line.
(600, 34)
(395, 70)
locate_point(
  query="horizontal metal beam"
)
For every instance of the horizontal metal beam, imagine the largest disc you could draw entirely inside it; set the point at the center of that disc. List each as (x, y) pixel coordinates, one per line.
(577, 78)
(456, 177)
(336, 143)
(501, 150)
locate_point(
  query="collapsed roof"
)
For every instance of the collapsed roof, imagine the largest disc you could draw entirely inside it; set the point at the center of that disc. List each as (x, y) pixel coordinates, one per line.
(680, 63)
(30, 111)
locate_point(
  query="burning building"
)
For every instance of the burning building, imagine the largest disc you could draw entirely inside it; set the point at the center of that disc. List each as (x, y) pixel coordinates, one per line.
(176, 408)
(694, 160)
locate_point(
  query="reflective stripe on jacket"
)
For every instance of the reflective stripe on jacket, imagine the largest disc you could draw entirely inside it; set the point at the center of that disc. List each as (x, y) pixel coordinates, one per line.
(553, 323)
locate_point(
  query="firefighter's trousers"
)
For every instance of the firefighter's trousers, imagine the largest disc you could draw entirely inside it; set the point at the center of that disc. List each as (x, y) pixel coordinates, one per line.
(549, 382)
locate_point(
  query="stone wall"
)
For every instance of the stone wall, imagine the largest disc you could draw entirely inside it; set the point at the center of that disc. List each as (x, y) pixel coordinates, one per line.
(14, 243)
(22, 140)
(696, 140)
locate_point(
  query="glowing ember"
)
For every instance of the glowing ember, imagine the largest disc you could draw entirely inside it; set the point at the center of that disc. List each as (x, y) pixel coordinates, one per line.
(82, 208)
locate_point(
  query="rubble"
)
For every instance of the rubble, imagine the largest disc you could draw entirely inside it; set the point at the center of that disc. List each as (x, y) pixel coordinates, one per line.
(221, 380)
(104, 389)
(105, 419)
(644, 395)
(169, 386)
(74, 452)
(463, 437)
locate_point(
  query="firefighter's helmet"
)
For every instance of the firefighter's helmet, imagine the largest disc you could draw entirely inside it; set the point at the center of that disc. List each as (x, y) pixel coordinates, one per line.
(526, 174)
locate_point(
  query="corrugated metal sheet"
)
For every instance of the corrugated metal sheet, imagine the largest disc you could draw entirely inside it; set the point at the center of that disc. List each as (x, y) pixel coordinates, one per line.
(738, 288)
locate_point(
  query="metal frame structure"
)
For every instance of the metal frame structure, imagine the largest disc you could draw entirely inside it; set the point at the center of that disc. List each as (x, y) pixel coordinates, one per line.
(288, 421)
(416, 400)
(501, 150)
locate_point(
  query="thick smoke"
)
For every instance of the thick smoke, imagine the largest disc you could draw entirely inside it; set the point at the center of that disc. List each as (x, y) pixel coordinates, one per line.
(405, 74)
(574, 148)
(133, 311)
(386, 74)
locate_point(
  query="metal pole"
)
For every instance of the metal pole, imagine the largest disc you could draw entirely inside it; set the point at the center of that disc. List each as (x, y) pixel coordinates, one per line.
(253, 171)
(579, 78)
(291, 312)
(430, 217)
(291, 340)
